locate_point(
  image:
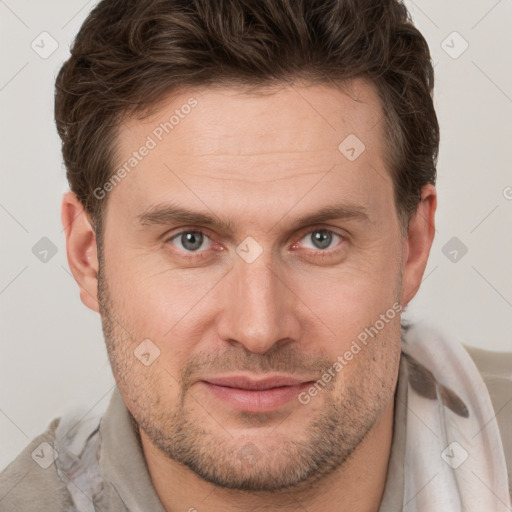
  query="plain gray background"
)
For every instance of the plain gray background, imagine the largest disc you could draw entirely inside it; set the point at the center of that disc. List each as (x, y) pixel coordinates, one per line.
(52, 350)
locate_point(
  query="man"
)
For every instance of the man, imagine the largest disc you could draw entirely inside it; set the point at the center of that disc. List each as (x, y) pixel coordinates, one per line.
(252, 207)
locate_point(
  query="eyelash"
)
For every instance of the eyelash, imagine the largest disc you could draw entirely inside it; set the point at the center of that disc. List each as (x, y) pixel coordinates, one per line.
(198, 255)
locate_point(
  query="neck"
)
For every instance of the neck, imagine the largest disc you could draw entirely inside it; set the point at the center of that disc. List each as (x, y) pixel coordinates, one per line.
(356, 486)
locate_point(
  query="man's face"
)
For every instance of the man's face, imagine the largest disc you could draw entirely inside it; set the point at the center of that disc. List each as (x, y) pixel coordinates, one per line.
(253, 294)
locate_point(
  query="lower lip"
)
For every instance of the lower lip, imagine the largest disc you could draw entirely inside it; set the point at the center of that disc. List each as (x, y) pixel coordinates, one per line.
(263, 400)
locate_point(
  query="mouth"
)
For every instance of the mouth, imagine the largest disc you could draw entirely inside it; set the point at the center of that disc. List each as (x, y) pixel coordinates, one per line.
(256, 395)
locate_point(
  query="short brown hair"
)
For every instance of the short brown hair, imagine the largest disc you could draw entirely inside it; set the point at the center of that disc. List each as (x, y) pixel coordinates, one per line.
(129, 54)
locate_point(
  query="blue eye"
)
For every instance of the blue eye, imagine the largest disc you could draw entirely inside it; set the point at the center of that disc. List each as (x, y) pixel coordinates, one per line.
(195, 244)
(190, 241)
(321, 238)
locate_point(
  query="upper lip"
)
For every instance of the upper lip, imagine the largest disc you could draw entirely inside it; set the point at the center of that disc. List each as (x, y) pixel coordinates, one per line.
(244, 382)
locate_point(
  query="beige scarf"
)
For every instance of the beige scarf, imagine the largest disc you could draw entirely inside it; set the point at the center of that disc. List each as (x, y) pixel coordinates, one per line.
(454, 459)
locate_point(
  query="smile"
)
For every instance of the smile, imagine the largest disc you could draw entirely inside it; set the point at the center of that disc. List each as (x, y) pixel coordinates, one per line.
(250, 395)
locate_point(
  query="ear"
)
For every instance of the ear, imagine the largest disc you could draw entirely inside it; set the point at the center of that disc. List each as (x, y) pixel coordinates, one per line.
(418, 242)
(81, 249)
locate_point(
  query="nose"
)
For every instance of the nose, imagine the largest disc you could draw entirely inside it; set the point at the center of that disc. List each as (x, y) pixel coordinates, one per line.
(258, 307)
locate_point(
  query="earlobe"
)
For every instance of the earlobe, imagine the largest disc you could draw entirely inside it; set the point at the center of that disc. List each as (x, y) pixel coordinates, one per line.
(81, 249)
(418, 242)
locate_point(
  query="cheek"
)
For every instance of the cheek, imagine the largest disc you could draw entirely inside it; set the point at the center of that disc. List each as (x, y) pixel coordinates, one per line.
(351, 297)
(371, 366)
(152, 294)
(142, 313)
(146, 373)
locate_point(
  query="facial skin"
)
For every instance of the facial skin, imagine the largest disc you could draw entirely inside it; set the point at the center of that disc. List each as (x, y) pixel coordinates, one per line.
(259, 162)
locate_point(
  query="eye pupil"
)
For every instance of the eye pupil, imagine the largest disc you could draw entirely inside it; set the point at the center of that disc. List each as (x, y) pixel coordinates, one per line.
(322, 238)
(192, 240)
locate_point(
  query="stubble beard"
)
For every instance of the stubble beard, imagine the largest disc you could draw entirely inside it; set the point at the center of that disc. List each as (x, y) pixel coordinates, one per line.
(188, 434)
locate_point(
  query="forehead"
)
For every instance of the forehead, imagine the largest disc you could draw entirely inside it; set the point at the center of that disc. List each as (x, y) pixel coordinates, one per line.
(232, 146)
(274, 118)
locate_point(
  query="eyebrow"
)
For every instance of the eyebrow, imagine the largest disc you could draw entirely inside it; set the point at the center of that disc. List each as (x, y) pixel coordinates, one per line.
(166, 214)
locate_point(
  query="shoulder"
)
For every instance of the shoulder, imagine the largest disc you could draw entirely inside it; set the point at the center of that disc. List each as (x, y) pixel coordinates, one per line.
(496, 371)
(31, 482)
(492, 364)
